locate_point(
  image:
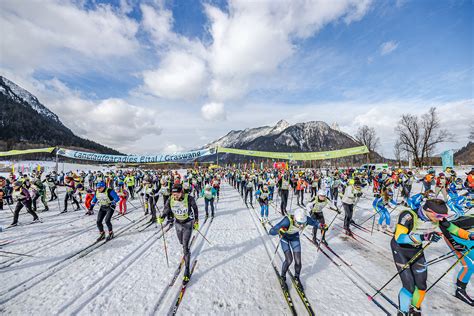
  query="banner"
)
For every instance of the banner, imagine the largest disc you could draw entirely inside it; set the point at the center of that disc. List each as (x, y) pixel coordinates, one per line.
(298, 156)
(26, 151)
(175, 157)
(447, 158)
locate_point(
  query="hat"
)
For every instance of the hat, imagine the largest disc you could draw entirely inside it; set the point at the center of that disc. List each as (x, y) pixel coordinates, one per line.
(436, 205)
(177, 187)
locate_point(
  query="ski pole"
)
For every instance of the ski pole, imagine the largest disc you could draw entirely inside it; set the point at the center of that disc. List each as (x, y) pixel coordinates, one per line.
(16, 253)
(321, 241)
(373, 224)
(435, 259)
(126, 217)
(334, 218)
(442, 259)
(275, 253)
(413, 259)
(449, 269)
(164, 243)
(203, 236)
(9, 206)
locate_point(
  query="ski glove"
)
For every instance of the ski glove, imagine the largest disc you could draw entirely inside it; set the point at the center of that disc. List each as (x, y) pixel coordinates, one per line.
(324, 227)
(160, 220)
(196, 225)
(282, 231)
(434, 237)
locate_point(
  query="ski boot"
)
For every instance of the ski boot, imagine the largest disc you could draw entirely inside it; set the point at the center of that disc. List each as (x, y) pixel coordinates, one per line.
(349, 232)
(36, 220)
(46, 209)
(111, 235)
(414, 311)
(186, 277)
(283, 280)
(207, 215)
(461, 293)
(212, 215)
(12, 225)
(324, 241)
(299, 286)
(101, 236)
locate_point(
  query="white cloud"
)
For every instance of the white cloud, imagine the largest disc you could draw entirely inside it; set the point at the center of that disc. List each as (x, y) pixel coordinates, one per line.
(172, 148)
(251, 39)
(112, 122)
(35, 33)
(213, 111)
(180, 76)
(388, 47)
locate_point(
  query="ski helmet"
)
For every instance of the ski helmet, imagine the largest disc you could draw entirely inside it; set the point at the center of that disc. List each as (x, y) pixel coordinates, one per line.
(300, 217)
(100, 184)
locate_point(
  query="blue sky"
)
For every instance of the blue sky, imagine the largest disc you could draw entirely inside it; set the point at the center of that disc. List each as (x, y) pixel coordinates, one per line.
(182, 73)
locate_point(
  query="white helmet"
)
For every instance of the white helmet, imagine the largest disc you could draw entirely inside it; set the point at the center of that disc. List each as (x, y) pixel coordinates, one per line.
(321, 193)
(300, 217)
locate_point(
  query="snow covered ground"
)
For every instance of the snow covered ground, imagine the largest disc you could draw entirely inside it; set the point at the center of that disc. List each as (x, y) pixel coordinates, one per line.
(233, 275)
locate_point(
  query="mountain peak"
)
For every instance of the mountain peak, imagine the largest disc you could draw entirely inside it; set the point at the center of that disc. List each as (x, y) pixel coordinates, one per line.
(15, 92)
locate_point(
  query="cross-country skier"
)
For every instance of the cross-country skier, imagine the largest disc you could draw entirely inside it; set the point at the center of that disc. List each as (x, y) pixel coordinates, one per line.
(351, 195)
(39, 193)
(70, 190)
(249, 189)
(22, 198)
(262, 196)
(289, 229)
(185, 211)
(123, 195)
(380, 205)
(209, 193)
(283, 191)
(460, 246)
(107, 199)
(315, 208)
(413, 228)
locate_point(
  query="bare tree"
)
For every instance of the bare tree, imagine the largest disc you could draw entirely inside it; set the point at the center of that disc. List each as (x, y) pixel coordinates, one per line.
(419, 137)
(367, 136)
(397, 151)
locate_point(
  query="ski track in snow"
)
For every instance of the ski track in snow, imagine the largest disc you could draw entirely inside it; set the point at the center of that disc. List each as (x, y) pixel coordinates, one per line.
(233, 275)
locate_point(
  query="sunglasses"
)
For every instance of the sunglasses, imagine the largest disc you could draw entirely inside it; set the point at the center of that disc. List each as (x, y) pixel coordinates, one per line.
(437, 215)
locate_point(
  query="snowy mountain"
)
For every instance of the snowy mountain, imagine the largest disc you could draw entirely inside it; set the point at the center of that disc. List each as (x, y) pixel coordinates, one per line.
(26, 123)
(235, 139)
(19, 94)
(283, 137)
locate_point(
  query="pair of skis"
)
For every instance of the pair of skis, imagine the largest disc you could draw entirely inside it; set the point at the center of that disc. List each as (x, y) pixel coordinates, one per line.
(176, 274)
(296, 284)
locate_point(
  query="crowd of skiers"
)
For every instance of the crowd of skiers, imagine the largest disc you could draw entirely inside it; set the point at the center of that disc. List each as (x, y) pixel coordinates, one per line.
(439, 210)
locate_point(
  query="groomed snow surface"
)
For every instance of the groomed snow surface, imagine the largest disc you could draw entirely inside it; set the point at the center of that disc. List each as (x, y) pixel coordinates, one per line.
(233, 275)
